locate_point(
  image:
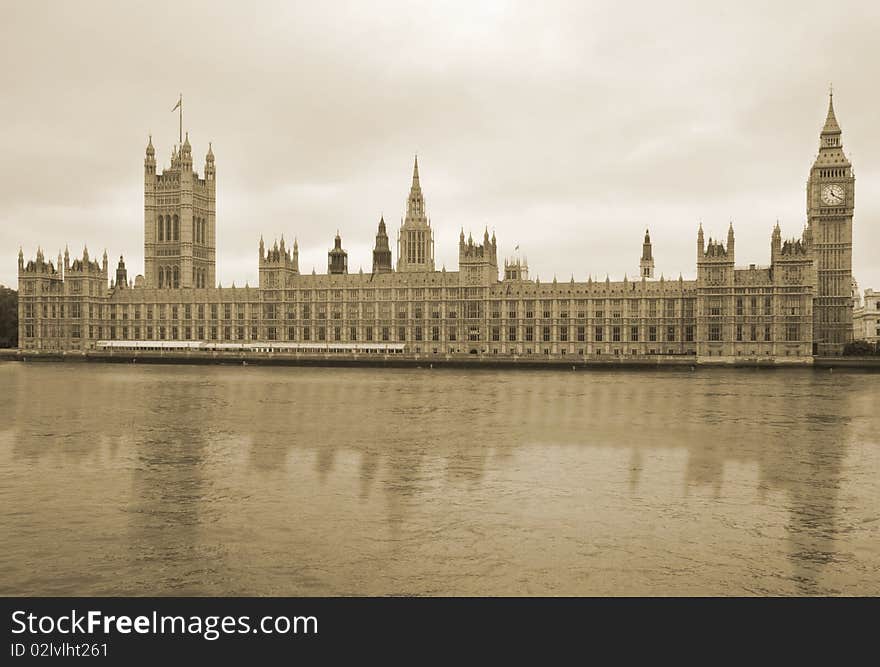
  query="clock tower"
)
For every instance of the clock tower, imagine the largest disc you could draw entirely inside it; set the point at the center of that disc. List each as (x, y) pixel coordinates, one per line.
(830, 203)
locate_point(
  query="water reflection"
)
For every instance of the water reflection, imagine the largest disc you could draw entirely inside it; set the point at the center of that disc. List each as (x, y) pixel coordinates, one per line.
(311, 481)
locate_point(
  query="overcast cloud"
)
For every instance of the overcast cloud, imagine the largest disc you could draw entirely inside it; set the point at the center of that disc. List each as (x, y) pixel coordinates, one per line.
(567, 128)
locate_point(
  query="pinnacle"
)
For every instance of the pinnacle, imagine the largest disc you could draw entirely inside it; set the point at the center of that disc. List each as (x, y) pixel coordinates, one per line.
(831, 125)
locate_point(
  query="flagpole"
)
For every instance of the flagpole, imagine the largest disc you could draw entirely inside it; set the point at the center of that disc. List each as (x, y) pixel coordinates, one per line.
(180, 104)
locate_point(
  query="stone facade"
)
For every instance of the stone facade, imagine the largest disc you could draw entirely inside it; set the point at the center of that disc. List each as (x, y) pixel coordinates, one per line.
(727, 313)
(866, 317)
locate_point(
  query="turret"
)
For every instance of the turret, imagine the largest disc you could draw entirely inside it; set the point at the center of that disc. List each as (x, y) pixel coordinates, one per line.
(337, 258)
(646, 264)
(730, 248)
(121, 274)
(701, 245)
(382, 251)
(150, 158)
(775, 242)
(209, 164)
(20, 259)
(186, 154)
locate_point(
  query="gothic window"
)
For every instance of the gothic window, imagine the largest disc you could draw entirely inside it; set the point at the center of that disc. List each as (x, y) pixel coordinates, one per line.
(167, 227)
(176, 229)
(176, 277)
(161, 278)
(714, 332)
(161, 229)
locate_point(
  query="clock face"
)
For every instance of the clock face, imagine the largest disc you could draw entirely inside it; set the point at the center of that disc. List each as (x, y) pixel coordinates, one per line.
(833, 194)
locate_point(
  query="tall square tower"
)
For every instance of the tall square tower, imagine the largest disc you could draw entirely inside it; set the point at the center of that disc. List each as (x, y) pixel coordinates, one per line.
(179, 221)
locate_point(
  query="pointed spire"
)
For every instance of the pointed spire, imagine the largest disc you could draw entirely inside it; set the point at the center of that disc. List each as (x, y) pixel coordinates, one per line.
(831, 125)
(415, 179)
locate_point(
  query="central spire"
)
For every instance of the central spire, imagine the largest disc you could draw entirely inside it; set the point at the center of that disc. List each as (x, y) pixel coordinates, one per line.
(415, 250)
(415, 205)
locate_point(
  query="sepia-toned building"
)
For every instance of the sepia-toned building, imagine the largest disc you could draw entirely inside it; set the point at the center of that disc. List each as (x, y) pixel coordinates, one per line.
(797, 306)
(866, 315)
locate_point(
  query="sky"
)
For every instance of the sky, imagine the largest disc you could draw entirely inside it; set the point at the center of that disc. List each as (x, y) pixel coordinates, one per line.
(567, 128)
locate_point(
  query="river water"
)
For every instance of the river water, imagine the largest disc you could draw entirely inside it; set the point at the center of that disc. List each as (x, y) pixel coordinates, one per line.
(189, 480)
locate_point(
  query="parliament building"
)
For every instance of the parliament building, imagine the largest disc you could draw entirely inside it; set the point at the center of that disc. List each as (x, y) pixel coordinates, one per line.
(797, 307)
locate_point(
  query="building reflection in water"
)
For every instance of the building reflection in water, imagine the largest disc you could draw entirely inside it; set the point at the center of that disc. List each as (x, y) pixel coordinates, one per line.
(258, 480)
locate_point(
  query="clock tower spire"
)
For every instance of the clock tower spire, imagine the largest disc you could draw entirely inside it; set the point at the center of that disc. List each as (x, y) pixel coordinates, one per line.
(830, 204)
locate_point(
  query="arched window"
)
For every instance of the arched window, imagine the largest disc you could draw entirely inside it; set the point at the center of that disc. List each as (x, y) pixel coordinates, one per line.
(161, 278)
(176, 229)
(161, 229)
(167, 227)
(176, 277)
